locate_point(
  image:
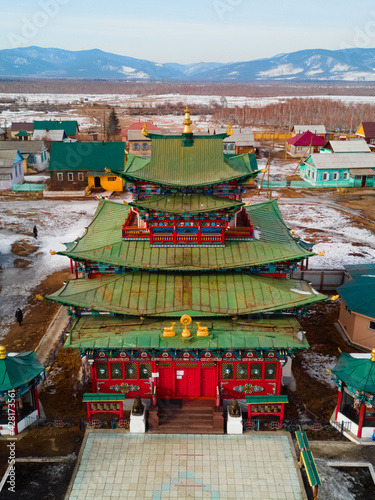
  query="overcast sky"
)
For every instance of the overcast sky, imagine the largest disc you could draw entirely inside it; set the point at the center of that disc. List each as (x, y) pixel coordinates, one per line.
(190, 31)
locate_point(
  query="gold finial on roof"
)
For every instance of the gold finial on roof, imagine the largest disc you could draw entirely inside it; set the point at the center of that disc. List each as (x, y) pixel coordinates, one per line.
(144, 130)
(107, 170)
(230, 129)
(373, 355)
(202, 330)
(52, 252)
(187, 122)
(39, 297)
(169, 330)
(3, 352)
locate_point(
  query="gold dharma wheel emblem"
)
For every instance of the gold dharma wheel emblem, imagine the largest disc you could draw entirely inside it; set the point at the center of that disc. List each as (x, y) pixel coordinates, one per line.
(186, 320)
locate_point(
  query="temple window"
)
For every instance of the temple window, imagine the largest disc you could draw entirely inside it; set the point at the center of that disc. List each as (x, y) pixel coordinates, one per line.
(131, 371)
(227, 371)
(270, 371)
(136, 146)
(241, 371)
(102, 370)
(116, 371)
(256, 371)
(144, 370)
(144, 146)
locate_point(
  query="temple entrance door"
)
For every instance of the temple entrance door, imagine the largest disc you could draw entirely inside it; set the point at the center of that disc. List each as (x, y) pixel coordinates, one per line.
(187, 382)
(208, 381)
(97, 182)
(165, 381)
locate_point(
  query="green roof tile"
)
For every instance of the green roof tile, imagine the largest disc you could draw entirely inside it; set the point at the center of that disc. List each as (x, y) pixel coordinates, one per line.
(280, 332)
(357, 372)
(144, 293)
(70, 127)
(359, 292)
(172, 164)
(102, 242)
(182, 203)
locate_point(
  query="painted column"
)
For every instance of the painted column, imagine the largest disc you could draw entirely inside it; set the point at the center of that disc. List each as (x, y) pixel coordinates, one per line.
(339, 396)
(93, 381)
(36, 401)
(361, 418)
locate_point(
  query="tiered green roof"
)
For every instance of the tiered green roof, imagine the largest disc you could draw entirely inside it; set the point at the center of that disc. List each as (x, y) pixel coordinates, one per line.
(143, 293)
(172, 164)
(120, 332)
(103, 243)
(184, 203)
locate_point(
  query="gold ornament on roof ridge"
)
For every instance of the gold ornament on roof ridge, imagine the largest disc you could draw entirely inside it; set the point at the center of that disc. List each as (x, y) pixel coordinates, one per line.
(3, 352)
(187, 122)
(144, 130)
(230, 129)
(169, 330)
(202, 330)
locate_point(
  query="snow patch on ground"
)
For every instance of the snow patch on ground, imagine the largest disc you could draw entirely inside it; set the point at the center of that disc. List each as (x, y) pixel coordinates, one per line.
(316, 364)
(336, 484)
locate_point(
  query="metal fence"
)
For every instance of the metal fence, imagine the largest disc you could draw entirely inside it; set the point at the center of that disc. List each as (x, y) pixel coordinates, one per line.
(294, 425)
(322, 279)
(29, 187)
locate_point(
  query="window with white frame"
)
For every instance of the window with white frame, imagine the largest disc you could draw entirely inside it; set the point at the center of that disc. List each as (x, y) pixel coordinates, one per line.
(70, 176)
(325, 176)
(307, 172)
(346, 176)
(80, 176)
(60, 176)
(336, 176)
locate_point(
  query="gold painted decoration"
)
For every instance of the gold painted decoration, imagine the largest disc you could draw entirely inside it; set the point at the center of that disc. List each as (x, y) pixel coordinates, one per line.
(39, 297)
(230, 129)
(373, 355)
(108, 170)
(169, 331)
(202, 330)
(186, 320)
(3, 352)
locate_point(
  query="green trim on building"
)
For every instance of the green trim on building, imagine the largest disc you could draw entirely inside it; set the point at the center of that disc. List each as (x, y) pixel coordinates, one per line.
(91, 156)
(143, 293)
(184, 203)
(18, 370)
(271, 398)
(102, 397)
(172, 164)
(121, 332)
(358, 373)
(103, 243)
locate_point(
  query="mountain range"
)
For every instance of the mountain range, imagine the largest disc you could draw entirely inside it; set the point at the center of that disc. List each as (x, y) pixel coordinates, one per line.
(357, 64)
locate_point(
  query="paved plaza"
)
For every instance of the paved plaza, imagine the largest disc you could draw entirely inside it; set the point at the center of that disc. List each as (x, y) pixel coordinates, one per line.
(185, 466)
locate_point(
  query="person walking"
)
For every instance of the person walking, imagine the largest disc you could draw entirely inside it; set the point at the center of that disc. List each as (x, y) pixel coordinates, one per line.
(19, 316)
(35, 231)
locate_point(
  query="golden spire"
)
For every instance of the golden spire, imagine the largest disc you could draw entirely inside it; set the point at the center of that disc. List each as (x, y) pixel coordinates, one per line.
(3, 352)
(144, 130)
(373, 355)
(187, 122)
(230, 129)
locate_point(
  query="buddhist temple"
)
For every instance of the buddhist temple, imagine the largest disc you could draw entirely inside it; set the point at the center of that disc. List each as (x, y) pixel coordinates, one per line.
(186, 291)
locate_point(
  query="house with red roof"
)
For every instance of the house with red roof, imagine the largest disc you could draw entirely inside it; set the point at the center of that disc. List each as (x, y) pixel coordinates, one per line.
(137, 143)
(305, 143)
(367, 131)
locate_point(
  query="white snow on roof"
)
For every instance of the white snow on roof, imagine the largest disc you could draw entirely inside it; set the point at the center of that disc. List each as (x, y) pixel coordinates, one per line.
(355, 146)
(338, 161)
(315, 129)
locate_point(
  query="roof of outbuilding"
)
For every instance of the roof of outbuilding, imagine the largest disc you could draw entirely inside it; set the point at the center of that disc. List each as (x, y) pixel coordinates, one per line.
(17, 370)
(307, 139)
(356, 372)
(340, 161)
(368, 128)
(355, 146)
(22, 126)
(24, 147)
(70, 127)
(359, 292)
(102, 242)
(91, 156)
(48, 135)
(315, 129)
(9, 157)
(141, 293)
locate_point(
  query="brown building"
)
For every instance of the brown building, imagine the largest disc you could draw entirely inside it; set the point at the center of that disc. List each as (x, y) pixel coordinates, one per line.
(357, 312)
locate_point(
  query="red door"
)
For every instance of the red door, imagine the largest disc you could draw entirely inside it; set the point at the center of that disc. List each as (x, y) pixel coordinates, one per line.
(165, 381)
(187, 382)
(208, 381)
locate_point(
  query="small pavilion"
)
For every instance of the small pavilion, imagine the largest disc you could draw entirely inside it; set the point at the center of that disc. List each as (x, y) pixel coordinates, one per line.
(355, 377)
(19, 378)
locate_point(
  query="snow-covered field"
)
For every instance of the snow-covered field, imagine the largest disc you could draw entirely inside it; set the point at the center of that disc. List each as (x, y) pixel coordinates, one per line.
(130, 100)
(56, 221)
